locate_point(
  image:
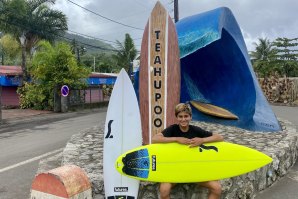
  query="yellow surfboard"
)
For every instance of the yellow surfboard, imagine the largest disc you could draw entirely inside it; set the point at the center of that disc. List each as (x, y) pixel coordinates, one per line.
(178, 163)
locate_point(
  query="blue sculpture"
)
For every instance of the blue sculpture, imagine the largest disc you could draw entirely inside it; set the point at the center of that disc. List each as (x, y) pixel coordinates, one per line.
(216, 69)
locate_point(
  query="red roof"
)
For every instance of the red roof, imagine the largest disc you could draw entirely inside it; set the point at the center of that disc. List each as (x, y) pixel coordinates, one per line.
(10, 70)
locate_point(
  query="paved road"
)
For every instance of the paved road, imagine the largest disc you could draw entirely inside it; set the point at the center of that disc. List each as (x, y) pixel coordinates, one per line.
(23, 145)
(287, 187)
(288, 113)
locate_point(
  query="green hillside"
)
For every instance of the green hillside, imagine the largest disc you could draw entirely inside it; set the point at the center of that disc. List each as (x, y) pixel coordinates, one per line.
(92, 46)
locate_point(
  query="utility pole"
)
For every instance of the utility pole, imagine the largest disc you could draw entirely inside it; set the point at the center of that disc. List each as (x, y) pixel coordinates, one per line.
(176, 11)
(93, 64)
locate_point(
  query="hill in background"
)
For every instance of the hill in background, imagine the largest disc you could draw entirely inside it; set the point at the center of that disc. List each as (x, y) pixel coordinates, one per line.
(93, 46)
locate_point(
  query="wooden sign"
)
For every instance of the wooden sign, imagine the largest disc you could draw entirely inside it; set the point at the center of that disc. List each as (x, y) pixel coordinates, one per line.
(159, 80)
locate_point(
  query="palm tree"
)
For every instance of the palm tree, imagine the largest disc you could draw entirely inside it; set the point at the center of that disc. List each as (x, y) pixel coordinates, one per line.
(30, 21)
(263, 57)
(126, 53)
(77, 50)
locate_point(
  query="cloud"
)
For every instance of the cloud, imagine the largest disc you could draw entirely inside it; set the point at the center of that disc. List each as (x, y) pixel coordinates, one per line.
(256, 18)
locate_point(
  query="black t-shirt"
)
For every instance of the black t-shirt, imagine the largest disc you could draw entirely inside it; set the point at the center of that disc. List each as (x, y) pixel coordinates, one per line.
(193, 131)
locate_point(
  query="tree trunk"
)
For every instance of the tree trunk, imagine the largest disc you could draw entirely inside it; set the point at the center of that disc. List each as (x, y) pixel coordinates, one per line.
(24, 68)
(2, 58)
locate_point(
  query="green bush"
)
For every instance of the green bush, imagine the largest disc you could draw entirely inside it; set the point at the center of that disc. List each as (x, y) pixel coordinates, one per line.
(52, 67)
(35, 96)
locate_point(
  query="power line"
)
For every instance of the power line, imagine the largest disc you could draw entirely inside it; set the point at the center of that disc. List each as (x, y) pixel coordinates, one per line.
(61, 36)
(97, 38)
(16, 24)
(89, 45)
(91, 37)
(100, 39)
(92, 46)
(104, 16)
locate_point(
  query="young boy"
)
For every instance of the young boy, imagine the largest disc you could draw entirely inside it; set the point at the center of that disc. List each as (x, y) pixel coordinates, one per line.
(184, 133)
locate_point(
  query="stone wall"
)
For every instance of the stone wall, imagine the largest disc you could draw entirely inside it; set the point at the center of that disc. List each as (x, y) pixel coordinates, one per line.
(85, 150)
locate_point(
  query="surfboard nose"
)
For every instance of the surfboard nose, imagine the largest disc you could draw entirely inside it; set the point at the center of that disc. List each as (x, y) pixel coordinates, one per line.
(267, 159)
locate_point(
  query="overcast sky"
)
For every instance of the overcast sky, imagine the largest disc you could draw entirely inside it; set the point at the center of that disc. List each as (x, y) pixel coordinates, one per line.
(256, 18)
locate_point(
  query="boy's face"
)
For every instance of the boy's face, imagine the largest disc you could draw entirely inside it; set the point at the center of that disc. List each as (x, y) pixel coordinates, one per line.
(183, 119)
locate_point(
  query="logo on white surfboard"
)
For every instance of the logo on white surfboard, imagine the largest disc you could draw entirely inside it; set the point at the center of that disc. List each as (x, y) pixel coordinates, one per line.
(109, 134)
(121, 189)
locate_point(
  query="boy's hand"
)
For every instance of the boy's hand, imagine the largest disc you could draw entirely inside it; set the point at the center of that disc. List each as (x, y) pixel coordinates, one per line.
(182, 140)
(196, 142)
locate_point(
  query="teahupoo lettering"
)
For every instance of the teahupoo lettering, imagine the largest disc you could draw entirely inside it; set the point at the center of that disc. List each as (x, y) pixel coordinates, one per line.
(157, 81)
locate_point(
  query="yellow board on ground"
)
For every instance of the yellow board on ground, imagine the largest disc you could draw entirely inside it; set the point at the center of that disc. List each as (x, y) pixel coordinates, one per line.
(178, 163)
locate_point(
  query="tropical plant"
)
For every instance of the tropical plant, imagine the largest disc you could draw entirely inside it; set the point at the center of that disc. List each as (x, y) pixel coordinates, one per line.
(10, 50)
(264, 57)
(30, 21)
(287, 56)
(106, 64)
(78, 50)
(126, 53)
(102, 62)
(52, 67)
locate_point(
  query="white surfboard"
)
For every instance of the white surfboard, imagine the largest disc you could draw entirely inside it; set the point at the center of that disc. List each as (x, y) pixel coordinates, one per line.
(122, 133)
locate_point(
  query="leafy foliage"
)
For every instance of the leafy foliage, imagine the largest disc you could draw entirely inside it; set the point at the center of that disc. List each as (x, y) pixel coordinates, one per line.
(279, 56)
(10, 50)
(126, 53)
(52, 67)
(287, 56)
(35, 96)
(104, 63)
(263, 58)
(77, 49)
(31, 21)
